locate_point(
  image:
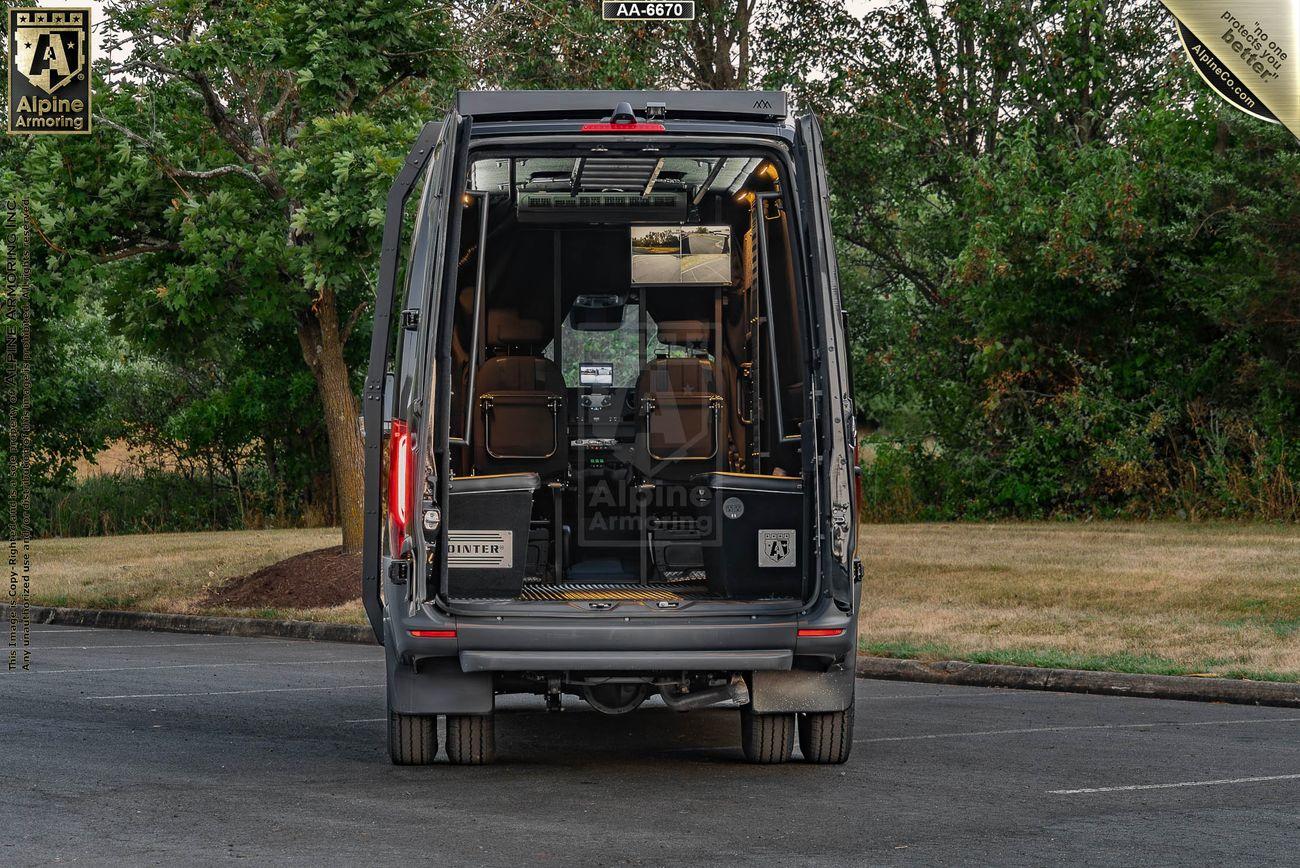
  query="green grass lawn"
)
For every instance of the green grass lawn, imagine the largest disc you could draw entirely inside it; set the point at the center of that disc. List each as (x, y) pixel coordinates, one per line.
(1163, 598)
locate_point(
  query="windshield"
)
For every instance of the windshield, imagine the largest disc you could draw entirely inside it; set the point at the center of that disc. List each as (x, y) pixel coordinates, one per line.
(607, 357)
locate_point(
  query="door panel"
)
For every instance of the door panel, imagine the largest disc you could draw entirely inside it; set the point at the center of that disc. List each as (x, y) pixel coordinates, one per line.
(836, 481)
(430, 152)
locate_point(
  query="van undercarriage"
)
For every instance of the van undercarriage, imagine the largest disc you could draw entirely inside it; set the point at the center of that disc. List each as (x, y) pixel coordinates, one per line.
(615, 459)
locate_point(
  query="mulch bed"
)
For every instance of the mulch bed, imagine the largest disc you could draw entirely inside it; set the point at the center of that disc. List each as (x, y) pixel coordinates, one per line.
(325, 577)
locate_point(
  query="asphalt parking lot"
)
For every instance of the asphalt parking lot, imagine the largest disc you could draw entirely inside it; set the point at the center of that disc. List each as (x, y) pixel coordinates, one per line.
(127, 747)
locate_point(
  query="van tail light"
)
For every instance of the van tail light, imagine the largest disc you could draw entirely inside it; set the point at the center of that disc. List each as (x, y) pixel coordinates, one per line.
(637, 127)
(401, 485)
(433, 634)
(820, 633)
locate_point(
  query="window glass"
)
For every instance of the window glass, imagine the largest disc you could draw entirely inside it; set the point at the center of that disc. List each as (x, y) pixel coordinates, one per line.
(617, 347)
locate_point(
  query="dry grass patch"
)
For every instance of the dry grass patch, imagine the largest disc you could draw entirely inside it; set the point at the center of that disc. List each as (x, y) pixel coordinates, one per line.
(1137, 597)
(170, 572)
(1148, 597)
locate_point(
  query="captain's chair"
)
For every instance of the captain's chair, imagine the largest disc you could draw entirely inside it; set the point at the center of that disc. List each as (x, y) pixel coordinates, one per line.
(519, 401)
(678, 407)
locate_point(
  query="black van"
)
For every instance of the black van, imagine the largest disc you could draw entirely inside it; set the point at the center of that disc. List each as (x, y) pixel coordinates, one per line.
(609, 431)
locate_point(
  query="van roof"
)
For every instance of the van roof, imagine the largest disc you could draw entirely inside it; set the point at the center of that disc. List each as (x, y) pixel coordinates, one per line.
(748, 104)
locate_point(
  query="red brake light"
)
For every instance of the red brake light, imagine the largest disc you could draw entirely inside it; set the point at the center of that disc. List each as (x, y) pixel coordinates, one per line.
(811, 633)
(401, 484)
(433, 634)
(638, 127)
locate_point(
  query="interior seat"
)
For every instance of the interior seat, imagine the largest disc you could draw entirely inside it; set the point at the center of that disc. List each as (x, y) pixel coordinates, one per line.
(519, 401)
(679, 408)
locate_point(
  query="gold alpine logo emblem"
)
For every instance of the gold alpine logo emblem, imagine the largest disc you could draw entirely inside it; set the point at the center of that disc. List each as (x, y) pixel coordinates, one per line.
(49, 70)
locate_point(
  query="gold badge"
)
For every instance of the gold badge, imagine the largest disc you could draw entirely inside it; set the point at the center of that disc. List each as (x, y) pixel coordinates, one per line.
(49, 70)
(1248, 51)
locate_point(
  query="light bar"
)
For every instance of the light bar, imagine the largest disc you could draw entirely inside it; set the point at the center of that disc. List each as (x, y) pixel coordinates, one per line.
(638, 127)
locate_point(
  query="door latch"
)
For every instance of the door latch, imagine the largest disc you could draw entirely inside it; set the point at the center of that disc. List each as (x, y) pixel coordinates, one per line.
(399, 572)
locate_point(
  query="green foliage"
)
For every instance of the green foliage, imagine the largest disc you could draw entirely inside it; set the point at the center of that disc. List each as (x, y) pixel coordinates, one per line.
(151, 500)
(1070, 272)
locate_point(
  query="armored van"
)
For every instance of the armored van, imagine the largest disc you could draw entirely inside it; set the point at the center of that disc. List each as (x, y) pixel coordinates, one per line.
(609, 431)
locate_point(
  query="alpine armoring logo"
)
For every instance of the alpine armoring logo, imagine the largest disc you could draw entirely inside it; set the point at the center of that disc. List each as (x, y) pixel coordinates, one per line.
(49, 71)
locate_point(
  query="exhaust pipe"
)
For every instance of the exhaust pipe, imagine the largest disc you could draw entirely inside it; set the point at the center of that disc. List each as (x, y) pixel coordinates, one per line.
(735, 689)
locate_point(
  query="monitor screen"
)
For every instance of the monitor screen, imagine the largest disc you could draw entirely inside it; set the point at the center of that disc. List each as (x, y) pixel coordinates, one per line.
(681, 254)
(596, 374)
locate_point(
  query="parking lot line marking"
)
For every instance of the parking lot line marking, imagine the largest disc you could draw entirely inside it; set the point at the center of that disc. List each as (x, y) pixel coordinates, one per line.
(68, 630)
(235, 692)
(1097, 726)
(207, 666)
(140, 645)
(1132, 787)
(366, 720)
(871, 697)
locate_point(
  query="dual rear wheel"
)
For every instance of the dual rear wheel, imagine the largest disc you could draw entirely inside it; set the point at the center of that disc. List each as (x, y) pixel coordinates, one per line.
(413, 739)
(825, 737)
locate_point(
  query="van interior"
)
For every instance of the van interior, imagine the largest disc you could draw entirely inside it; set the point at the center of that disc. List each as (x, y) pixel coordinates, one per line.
(627, 358)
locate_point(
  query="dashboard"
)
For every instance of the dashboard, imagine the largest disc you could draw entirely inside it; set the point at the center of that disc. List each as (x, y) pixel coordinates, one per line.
(602, 425)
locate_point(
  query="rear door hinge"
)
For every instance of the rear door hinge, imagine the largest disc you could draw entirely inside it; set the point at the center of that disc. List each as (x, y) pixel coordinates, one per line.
(410, 319)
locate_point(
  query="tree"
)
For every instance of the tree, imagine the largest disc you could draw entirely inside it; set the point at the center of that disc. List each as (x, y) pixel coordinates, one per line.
(250, 145)
(1044, 217)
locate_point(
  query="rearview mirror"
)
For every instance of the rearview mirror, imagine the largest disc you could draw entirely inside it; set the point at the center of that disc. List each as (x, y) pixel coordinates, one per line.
(597, 313)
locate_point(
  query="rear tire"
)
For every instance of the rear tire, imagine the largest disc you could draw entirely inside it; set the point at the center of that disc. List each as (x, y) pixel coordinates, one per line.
(412, 739)
(826, 737)
(471, 739)
(766, 738)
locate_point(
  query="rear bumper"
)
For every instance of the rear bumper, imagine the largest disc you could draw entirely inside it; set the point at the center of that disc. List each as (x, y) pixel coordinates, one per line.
(594, 644)
(460, 671)
(624, 661)
(748, 640)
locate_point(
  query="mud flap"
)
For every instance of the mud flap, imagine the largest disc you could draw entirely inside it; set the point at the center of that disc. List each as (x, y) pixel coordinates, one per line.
(777, 691)
(437, 687)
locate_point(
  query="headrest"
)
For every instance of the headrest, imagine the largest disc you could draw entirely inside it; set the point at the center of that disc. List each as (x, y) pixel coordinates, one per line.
(684, 332)
(505, 326)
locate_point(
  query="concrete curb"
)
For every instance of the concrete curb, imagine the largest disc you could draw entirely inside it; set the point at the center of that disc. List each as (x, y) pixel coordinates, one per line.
(942, 672)
(1232, 690)
(116, 620)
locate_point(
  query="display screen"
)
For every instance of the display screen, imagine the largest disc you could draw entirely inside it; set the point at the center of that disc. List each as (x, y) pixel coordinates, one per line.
(595, 374)
(681, 254)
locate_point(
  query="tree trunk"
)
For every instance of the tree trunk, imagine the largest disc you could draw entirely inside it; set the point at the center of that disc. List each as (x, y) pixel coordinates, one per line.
(322, 349)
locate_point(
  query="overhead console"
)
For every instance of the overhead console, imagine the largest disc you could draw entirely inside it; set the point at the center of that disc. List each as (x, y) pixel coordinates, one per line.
(611, 207)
